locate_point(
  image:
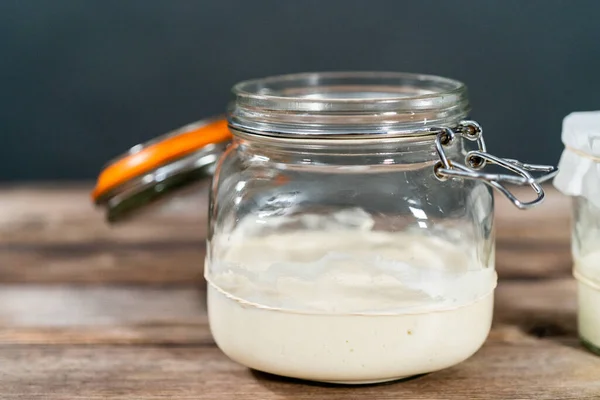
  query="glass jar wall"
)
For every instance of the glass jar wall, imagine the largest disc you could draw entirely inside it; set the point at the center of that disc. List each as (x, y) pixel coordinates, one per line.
(586, 255)
(335, 253)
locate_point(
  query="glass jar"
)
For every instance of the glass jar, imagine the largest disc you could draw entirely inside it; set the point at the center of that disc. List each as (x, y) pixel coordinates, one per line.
(586, 268)
(348, 242)
(580, 178)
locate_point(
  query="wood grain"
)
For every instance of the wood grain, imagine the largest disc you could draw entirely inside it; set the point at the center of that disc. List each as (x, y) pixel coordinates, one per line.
(91, 311)
(103, 315)
(108, 342)
(54, 235)
(534, 243)
(90, 372)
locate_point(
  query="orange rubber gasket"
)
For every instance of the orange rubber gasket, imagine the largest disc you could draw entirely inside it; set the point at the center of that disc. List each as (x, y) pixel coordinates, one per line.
(159, 153)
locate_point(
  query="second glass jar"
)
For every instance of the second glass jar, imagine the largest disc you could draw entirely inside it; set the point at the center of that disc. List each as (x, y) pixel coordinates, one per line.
(586, 268)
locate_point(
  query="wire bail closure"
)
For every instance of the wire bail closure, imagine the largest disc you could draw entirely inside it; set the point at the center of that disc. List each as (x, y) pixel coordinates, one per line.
(476, 160)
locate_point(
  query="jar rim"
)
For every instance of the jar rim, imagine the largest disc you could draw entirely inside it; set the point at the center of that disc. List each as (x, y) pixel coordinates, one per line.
(359, 102)
(244, 88)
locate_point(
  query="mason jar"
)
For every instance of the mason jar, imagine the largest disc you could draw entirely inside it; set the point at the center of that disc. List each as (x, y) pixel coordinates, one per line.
(586, 268)
(351, 226)
(580, 178)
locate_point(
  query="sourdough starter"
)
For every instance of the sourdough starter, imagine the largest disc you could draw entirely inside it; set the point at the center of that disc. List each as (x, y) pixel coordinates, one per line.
(587, 272)
(345, 305)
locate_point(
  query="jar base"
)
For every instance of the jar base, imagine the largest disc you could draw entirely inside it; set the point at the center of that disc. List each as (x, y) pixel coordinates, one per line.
(354, 382)
(589, 345)
(375, 381)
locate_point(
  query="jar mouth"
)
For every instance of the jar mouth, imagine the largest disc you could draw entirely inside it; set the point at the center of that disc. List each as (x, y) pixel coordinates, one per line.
(347, 103)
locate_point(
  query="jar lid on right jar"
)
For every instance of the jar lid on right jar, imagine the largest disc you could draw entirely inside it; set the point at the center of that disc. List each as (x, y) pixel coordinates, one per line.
(579, 177)
(579, 168)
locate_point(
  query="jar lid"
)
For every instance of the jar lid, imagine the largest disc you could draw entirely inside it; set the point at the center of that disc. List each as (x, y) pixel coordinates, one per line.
(150, 170)
(579, 166)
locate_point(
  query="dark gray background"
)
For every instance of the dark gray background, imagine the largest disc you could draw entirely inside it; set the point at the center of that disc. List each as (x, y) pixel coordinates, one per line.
(83, 80)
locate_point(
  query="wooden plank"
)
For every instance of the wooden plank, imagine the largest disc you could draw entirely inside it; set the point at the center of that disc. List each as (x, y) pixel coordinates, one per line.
(505, 371)
(151, 262)
(41, 314)
(54, 235)
(103, 315)
(64, 214)
(534, 243)
(111, 349)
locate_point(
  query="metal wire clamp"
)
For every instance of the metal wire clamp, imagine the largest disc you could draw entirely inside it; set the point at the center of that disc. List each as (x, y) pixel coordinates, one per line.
(476, 160)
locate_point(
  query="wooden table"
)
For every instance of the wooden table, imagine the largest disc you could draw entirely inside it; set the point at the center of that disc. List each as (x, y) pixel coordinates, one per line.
(89, 311)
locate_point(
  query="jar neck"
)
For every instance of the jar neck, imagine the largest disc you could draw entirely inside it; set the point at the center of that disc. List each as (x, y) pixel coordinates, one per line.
(355, 153)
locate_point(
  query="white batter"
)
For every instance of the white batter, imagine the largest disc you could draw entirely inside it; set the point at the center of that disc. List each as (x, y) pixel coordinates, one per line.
(342, 302)
(587, 272)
